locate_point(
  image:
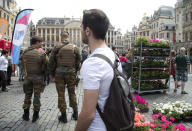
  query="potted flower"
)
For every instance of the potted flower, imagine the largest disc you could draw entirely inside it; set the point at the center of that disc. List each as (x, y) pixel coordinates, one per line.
(141, 103)
(140, 123)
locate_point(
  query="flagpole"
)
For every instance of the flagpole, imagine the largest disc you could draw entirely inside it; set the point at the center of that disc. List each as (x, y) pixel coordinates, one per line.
(14, 29)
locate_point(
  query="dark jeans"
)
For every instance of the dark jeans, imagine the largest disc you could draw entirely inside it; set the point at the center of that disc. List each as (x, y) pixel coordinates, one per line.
(9, 73)
(3, 79)
(168, 79)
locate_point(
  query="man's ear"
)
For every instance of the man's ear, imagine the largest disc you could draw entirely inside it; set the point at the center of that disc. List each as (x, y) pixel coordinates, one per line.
(88, 31)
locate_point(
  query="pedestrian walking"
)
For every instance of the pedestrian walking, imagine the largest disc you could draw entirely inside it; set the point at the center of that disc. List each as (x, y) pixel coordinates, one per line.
(97, 74)
(182, 63)
(171, 69)
(128, 67)
(35, 63)
(123, 61)
(115, 51)
(63, 65)
(3, 70)
(9, 70)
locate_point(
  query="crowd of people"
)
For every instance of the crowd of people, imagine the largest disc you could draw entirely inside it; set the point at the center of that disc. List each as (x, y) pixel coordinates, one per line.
(62, 63)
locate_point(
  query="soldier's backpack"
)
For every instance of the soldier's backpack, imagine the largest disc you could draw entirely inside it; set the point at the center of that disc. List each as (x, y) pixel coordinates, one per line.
(119, 110)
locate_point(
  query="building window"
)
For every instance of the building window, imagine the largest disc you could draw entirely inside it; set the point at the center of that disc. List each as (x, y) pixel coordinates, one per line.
(0, 14)
(168, 35)
(39, 31)
(48, 38)
(186, 37)
(143, 33)
(191, 15)
(5, 15)
(48, 31)
(177, 18)
(43, 31)
(186, 17)
(147, 33)
(52, 30)
(190, 36)
(53, 38)
(3, 3)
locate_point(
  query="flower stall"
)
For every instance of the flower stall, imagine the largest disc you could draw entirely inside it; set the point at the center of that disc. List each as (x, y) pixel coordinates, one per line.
(149, 66)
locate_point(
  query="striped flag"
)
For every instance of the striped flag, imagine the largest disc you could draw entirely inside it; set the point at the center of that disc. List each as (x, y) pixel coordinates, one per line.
(21, 24)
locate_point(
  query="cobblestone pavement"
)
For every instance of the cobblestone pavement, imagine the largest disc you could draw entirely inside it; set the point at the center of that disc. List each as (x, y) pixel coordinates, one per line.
(11, 108)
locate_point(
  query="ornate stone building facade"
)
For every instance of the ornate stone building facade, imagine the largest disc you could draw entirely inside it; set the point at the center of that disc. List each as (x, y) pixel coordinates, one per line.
(163, 24)
(144, 28)
(183, 9)
(8, 10)
(127, 41)
(50, 29)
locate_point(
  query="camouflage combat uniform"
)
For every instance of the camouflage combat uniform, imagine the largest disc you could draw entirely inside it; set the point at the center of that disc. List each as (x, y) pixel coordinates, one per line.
(35, 64)
(63, 65)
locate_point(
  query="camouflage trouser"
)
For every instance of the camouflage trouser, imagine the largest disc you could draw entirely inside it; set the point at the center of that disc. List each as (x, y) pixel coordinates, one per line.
(66, 79)
(33, 84)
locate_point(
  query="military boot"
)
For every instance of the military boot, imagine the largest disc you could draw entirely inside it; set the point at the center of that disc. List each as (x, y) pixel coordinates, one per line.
(26, 115)
(75, 114)
(63, 117)
(35, 116)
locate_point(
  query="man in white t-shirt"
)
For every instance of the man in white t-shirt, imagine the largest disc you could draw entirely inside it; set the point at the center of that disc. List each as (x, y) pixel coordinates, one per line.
(3, 69)
(97, 74)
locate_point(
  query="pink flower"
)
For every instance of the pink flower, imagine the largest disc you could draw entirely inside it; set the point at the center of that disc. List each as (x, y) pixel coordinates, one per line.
(163, 118)
(155, 116)
(147, 103)
(172, 119)
(137, 96)
(133, 98)
(160, 114)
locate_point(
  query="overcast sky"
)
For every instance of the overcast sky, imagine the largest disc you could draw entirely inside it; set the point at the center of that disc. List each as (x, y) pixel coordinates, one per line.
(123, 14)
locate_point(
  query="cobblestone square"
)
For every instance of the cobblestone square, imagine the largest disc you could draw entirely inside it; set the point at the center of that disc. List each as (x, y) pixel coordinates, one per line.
(11, 108)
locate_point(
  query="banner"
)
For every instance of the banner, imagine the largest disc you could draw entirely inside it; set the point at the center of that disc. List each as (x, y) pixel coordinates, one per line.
(21, 24)
(3, 27)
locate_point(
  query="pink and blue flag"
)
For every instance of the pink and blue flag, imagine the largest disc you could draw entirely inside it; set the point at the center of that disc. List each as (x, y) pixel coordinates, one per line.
(21, 24)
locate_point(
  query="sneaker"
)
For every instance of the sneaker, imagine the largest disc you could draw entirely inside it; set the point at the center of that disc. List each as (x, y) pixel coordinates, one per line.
(175, 90)
(184, 92)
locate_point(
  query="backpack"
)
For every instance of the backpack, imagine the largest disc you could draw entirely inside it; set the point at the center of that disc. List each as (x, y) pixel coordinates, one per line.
(119, 110)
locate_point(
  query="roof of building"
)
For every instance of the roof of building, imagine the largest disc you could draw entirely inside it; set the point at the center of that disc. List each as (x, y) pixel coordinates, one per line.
(164, 11)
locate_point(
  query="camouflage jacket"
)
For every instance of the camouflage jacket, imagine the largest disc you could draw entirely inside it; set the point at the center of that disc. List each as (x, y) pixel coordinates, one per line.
(52, 66)
(43, 57)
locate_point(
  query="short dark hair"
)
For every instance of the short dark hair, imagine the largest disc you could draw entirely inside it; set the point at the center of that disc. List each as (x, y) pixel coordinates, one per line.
(36, 39)
(113, 48)
(65, 34)
(97, 21)
(4, 52)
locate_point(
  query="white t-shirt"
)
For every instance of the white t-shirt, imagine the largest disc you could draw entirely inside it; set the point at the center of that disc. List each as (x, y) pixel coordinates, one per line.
(98, 74)
(3, 63)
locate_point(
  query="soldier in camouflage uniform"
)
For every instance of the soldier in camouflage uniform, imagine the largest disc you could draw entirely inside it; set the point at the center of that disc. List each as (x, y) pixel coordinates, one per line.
(63, 65)
(35, 63)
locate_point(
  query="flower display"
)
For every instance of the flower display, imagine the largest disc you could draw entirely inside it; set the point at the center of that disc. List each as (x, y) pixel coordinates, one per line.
(160, 122)
(140, 123)
(140, 103)
(152, 43)
(179, 110)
